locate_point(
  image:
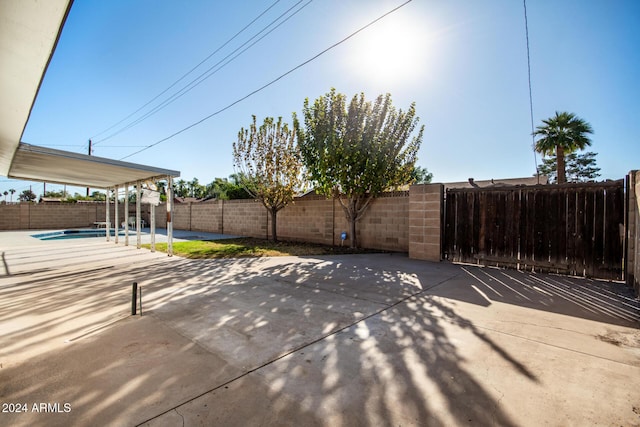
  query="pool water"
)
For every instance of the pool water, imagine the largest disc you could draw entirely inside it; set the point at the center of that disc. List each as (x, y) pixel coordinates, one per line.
(73, 234)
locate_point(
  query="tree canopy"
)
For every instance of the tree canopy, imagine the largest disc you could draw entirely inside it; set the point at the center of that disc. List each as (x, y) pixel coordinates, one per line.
(421, 175)
(579, 167)
(562, 134)
(27, 196)
(269, 164)
(355, 152)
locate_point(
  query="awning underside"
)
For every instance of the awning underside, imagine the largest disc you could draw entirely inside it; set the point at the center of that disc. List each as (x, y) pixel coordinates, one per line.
(36, 163)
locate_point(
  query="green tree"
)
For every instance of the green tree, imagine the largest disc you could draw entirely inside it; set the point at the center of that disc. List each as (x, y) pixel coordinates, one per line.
(223, 189)
(579, 167)
(162, 188)
(356, 152)
(11, 191)
(236, 190)
(420, 175)
(98, 196)
(6, 193)
(55, 194)
(194, 189)
(562, 134)
(270, 166)
(217, 189)
(179, 188)
(27, 196)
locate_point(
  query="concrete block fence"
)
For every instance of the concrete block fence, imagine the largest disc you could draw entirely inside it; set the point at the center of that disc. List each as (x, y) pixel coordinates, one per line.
(406, 221)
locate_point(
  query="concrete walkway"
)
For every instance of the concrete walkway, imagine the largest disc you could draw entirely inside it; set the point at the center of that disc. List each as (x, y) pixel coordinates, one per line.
(356, 340)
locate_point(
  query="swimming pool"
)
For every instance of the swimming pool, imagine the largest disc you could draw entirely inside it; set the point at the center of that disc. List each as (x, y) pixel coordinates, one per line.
(74, 234)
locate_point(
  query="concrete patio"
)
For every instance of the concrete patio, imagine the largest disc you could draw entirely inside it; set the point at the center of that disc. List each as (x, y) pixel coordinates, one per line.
(349, 340)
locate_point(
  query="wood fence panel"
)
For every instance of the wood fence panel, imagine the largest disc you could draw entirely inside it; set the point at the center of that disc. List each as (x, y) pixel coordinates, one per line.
(570, 228)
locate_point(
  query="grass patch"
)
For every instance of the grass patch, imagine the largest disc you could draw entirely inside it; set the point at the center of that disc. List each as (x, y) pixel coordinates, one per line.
(250, 247)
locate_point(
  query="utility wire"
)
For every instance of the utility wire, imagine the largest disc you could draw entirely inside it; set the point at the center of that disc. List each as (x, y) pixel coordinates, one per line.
(533, 138)
(212, 70)
(188, 72)
(269, 83)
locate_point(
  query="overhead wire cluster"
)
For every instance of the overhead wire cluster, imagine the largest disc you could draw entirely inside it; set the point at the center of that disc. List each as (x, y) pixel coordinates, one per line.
(176, 90)
(264, 86)
(152, 107)
(131, 120)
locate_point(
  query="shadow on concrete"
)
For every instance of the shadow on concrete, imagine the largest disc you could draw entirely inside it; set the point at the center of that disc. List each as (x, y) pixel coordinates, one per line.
(602, 301)
(234, 319)
(341, 340)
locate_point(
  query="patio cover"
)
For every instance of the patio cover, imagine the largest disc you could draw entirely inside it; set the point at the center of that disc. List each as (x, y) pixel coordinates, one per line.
(63, 167)
(29, 33)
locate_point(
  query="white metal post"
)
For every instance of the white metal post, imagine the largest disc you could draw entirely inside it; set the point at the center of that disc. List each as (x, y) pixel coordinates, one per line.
(126, 214)
(107, 216)
(138, 197)
(152, 226)
(169, 219)
(117, 224)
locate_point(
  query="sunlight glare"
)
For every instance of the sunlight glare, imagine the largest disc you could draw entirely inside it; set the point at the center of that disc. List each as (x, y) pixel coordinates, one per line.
(390, 52)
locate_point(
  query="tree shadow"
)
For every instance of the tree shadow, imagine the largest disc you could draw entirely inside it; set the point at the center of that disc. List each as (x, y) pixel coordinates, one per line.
(336, 340)
(601, 301)
(382, 366)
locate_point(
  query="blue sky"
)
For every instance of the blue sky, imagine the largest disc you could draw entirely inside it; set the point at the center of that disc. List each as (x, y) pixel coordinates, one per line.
(463, 62)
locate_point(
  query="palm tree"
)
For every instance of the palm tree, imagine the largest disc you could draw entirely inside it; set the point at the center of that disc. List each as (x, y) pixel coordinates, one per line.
(562, 134)
(194, 187)
(6, 193)
(12, 191)
(179, 188)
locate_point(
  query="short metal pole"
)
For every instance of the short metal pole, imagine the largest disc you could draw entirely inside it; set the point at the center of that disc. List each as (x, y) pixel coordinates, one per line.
(140, 296)
(134, 297)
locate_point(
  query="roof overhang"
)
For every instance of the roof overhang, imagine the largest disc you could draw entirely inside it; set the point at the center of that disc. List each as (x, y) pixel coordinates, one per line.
(63, 167)
(29, 32)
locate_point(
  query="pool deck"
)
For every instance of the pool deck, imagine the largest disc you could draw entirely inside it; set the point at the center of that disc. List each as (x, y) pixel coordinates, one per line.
(343, 340)
(145, 235)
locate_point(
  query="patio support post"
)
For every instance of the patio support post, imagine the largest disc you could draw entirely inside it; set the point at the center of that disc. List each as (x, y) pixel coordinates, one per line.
(152, 225)
(126, 214)
(169, 219)
(107, 216)
(117, 224)
(138, 197)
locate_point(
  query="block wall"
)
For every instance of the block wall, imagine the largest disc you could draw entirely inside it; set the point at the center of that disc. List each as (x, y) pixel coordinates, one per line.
(10, 217)
(425, 221)
(207, 216)
(385, 224)
(310, 219)
(315, 219)
(245, 218)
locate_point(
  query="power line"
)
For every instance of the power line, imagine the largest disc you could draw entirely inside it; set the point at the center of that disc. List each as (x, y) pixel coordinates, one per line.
(533, 139)
(122, 146)
(190, 71)
(269, 83)
(211, 70)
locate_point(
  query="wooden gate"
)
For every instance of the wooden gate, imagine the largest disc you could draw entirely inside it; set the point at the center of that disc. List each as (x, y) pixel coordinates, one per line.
(573, 229)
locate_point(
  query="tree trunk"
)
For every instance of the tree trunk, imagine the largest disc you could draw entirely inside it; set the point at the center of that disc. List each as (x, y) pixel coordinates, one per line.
(274, 213)
(353, 209)
(352, 225)
(562, 177)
